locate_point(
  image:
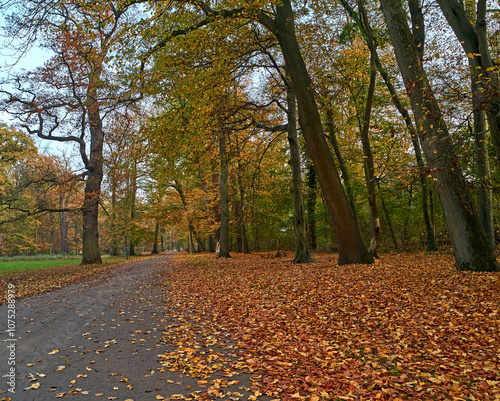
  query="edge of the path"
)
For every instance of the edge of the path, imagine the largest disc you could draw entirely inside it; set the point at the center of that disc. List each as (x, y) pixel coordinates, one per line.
(33, 283)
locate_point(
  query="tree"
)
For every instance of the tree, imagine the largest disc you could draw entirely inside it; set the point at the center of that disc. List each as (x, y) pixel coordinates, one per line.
(351, 246)
(74, 90)
(471, 248)
(302, 253)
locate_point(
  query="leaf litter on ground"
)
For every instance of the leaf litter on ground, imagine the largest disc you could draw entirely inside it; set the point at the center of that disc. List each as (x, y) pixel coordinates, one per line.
(407, 327)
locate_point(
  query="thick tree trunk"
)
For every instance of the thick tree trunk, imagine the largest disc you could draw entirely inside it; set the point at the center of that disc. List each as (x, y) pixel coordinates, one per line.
(368, 165)
(63, 223)
(302, 254)
(90, 239)
(471, 248)
(224, 201)
(485, 196)
(351, 246)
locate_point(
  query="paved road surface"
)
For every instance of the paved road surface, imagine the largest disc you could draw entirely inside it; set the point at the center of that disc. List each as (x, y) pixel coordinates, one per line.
(94, 338)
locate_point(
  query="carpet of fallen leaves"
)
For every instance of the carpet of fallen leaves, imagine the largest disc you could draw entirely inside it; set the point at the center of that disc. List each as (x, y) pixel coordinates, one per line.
(407, 327)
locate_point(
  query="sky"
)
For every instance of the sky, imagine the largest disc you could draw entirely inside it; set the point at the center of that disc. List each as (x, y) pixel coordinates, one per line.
(12, 63)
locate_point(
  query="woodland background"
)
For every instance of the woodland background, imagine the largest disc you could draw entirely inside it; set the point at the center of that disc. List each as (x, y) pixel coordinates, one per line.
(176, 124)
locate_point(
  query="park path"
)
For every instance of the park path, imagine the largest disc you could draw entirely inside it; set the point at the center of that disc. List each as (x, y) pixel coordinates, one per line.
(97, 340)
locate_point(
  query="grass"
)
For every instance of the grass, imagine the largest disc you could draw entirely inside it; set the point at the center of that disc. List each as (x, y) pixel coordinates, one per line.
(42, 262)
(25, 266)
(52, 256)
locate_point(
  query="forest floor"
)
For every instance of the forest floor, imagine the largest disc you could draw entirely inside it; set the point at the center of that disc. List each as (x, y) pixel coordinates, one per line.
(254, 327)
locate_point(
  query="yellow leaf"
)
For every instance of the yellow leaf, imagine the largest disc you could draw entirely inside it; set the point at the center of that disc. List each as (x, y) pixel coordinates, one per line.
(53, 352)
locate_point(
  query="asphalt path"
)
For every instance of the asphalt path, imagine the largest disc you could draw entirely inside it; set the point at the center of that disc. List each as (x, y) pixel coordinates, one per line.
(97, 340)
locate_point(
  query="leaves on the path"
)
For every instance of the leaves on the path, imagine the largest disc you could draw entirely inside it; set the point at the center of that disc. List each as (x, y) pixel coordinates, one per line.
(408, 326)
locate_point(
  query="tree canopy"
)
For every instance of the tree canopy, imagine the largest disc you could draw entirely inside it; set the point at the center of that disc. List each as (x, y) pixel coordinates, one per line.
(182, 114)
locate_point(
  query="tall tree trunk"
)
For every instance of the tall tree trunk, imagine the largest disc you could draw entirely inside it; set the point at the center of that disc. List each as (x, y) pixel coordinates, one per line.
(241, 237)
(242, 224)
(351, 246)
(63, 223)
(302, 254)
(132, 195)
(90, 239)
(114, 231)
(311, 206)
(471, 247)
(224, 201)
(332, 137)
(368, 164)
(485, 196)
(156, 238)
(216, 212)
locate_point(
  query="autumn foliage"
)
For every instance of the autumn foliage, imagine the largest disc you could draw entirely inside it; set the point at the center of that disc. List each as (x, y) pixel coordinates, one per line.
(407, 327)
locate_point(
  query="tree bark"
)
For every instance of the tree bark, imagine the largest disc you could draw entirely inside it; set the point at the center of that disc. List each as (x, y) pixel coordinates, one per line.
(485, 196)
(471, 248)
(224, 201)
(132, 195)
(311, 206)
(351, 246)
(332, 138)
(114, 231)
(302, 254)
(90, 239)
(63, 223)
(242, 238)
(369, 166)
(156, 237)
